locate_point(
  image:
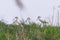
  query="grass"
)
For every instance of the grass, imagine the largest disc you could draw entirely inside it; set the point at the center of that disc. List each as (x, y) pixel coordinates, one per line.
(28, 32)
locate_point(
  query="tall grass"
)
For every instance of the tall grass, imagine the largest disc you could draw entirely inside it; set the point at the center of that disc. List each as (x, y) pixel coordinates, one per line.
(31, 31)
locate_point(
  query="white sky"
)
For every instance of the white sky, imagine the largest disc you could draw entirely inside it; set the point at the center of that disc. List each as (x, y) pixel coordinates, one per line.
(33, 8)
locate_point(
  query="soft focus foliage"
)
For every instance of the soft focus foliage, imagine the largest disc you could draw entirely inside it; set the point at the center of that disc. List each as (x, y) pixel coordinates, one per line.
(28, 32)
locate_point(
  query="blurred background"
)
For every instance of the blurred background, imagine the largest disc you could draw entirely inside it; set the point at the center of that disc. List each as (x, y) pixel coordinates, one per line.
(32, 8)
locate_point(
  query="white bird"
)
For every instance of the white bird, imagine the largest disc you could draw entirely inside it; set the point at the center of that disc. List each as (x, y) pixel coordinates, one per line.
(42, 21)
(28, 20)
(16, 21)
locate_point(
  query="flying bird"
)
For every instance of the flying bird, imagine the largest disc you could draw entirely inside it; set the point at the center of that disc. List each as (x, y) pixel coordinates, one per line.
(19, 4)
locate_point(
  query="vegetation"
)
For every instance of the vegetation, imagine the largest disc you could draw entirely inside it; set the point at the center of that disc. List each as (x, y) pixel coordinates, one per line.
(31, 31)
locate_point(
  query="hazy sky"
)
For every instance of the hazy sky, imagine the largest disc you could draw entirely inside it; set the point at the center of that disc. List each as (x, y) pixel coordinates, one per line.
(33, 8)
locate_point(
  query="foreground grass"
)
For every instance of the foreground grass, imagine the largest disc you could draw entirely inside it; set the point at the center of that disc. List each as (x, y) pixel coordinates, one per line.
(28, 32)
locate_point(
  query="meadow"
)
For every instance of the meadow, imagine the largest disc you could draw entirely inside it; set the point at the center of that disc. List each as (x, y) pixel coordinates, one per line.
(31, 31)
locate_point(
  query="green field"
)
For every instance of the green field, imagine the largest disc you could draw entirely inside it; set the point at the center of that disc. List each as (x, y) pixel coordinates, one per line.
(28, 32)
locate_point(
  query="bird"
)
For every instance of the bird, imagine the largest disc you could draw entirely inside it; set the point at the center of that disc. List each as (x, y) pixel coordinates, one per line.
(16, 21)
(42, 21)
(28, 20)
